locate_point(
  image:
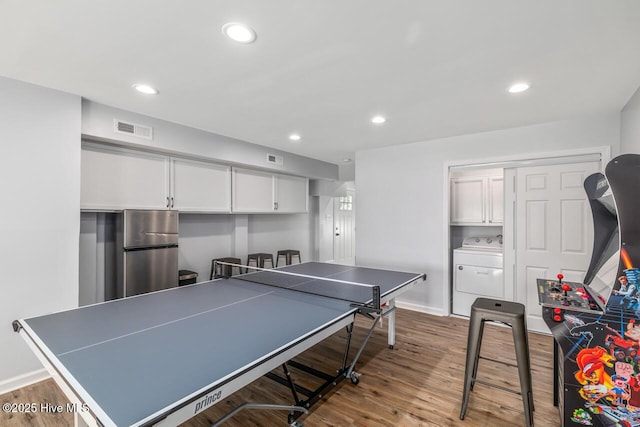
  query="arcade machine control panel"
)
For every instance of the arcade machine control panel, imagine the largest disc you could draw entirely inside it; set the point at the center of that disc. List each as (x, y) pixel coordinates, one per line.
(559, 295)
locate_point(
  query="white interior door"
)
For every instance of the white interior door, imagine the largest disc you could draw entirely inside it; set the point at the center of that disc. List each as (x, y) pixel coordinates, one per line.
(554, 230)
(344, 224)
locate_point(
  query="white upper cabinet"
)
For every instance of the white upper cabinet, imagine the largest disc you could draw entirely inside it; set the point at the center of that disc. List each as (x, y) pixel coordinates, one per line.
(264, 192)
(115, 179)
(291, 194)
(477, 200)
(200, 186)
(468, 200)
(496, 199)
(252, 191)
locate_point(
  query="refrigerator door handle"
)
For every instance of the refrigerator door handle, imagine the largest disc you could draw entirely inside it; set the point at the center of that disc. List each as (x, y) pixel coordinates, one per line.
(154, 233)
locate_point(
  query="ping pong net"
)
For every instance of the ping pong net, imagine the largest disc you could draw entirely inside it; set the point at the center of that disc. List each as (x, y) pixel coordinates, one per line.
(366, 296)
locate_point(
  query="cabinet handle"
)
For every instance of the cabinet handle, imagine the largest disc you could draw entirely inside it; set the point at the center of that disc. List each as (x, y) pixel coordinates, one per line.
(275, 206)
(167, 201)
(172, 202)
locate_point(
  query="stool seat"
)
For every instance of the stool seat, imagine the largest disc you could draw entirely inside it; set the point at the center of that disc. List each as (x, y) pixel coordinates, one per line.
(498, 310)
(288, 255)
(221, 270)
(512, 314)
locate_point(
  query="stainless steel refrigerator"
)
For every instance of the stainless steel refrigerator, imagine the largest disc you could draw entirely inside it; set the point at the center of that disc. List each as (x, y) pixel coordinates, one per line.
(147, 251)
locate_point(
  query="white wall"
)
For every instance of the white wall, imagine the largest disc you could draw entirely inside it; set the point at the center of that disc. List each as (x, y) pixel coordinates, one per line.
(271, 233)
(91, 288)
(400, 211)
(325, 228)
(203, 238)
(630, 125)
(40, 176)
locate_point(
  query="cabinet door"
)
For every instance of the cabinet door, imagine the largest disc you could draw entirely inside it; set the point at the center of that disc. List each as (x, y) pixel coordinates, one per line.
(200, 186)
(467, 200)
(252, 191)
(115, 179)
(496, 200)
(292, 194)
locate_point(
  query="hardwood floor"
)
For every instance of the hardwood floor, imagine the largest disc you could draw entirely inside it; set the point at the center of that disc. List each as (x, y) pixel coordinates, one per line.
(419, 383)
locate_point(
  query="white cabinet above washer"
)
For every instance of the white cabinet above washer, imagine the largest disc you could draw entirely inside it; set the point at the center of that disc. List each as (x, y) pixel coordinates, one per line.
(477, 200)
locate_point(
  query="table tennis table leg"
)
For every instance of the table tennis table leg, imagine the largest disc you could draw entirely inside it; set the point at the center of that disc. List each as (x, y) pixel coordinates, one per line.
(391, 327)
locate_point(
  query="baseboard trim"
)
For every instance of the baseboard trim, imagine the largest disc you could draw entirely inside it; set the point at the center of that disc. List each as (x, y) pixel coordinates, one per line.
(23, 380)
(420, 308)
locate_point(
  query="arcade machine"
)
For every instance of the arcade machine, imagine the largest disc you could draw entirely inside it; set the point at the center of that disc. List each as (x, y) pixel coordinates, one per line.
(596, 324)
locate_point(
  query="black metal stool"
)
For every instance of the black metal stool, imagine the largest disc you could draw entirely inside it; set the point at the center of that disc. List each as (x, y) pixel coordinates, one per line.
(288, 255)
(511, 314)
(259, 260)
(222, 270)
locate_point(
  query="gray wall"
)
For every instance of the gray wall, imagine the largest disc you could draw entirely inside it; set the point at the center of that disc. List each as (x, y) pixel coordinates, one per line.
(630, 125)
(204, 237)
(40, 136)
(401, 193)
(98, 124)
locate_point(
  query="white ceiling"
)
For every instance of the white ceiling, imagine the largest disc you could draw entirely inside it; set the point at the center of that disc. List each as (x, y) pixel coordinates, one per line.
(323, 68)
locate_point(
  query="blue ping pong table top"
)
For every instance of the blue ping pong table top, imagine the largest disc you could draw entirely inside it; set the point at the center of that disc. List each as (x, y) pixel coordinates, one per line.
(136, 357)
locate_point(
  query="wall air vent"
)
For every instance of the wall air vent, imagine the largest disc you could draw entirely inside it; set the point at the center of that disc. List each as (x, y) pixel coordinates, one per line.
(276, 160)
(132, 129)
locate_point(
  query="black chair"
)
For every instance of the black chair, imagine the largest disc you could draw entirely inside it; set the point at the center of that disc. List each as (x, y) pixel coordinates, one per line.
(511, 314)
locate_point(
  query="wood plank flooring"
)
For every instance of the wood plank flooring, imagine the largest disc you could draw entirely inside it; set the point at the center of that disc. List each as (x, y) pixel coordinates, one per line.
(419, 383)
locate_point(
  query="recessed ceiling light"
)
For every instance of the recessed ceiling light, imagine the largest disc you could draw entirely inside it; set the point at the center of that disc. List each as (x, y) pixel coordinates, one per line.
(146, 89)
(295, 137)
(239, 32)
(378, 120)
(346, 160)
(518, 87)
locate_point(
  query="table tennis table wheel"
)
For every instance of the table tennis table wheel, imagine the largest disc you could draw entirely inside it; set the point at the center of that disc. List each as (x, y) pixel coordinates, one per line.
(355, 377)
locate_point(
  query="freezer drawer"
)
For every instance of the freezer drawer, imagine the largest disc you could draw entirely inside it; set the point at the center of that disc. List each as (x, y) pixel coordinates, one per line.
(149, 270)
(143, 228)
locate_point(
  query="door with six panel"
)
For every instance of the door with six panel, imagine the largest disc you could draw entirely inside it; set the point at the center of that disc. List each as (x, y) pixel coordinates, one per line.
(554, 229)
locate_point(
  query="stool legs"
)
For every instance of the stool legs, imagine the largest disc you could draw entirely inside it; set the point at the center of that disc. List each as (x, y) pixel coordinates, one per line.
(477, 354)
(524, 370)
(476, 327)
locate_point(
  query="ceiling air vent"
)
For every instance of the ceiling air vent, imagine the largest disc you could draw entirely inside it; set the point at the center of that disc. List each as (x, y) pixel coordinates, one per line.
(133, 129)
(276, 160)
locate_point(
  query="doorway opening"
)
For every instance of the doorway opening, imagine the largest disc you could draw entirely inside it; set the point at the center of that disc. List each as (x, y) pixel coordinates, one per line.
(344, 229)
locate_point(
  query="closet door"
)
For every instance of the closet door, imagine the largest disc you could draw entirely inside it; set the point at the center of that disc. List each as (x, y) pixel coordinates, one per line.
(553, 228)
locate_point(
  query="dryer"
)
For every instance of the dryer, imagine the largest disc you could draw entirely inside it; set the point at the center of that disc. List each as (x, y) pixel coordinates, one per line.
(477, 272)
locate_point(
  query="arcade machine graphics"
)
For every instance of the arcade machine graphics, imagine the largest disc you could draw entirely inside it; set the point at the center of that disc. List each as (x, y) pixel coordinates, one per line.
(596, 324)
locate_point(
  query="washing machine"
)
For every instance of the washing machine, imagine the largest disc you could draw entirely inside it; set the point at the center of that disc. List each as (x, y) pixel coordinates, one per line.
(477, 272)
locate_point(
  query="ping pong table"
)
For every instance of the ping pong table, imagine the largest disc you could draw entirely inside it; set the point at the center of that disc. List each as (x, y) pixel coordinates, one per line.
(163, 357)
